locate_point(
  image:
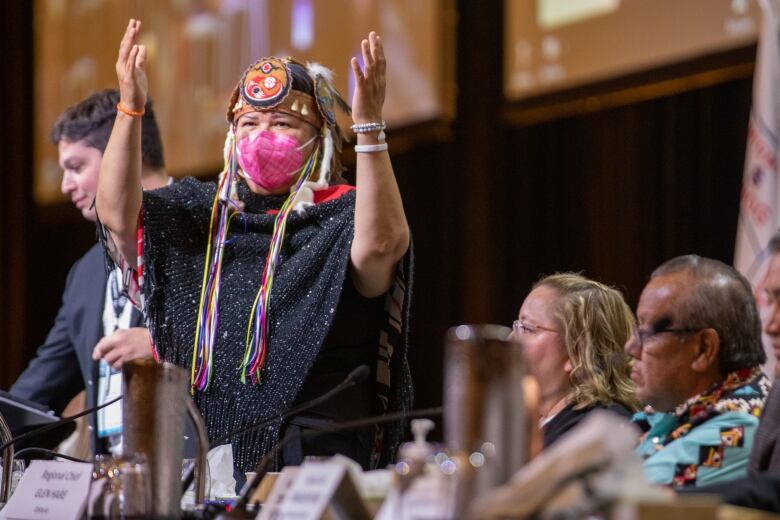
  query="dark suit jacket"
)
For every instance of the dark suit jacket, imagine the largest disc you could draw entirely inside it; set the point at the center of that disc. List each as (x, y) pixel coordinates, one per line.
(765, 454)
(63, 365)
(756, 492)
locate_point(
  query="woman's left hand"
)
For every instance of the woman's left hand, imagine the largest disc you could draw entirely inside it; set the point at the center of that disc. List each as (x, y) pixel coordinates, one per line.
(381, 232)
(131, 69)
(370, 82)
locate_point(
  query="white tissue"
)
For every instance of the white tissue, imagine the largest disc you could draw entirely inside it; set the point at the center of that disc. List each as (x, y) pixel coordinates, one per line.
(220, 466)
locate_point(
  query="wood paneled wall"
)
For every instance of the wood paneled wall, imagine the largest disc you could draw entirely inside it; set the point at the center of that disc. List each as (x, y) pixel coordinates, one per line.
(493, 204)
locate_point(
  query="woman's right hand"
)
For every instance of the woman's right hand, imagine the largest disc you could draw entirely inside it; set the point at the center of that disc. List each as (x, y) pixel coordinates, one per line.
(131, 69)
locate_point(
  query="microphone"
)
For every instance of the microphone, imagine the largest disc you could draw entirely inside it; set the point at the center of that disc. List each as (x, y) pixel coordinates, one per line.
(357, 375)
(51, 453)
(57, 424)
(260, 472)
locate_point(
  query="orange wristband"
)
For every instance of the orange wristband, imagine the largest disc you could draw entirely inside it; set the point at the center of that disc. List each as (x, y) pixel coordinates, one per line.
(129, 112)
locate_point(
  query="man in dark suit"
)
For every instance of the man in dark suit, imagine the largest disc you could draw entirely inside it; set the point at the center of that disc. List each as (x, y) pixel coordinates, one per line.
(765, 456)
(95, 320)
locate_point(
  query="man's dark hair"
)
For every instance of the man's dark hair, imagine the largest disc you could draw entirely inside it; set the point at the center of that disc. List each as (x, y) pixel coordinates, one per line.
(93, 119)
(722, 299)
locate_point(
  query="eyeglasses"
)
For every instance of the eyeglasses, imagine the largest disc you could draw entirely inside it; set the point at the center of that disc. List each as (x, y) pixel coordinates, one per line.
(524, 328)
(642, 336)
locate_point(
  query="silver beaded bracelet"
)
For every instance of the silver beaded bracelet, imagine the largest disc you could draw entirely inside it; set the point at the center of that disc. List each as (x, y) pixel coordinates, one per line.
(367, 128)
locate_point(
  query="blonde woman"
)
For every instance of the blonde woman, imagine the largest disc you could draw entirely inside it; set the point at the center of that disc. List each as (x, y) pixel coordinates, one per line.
(573, 330)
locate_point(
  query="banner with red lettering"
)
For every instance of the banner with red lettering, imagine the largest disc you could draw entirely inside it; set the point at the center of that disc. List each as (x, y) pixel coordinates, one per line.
(759, 215)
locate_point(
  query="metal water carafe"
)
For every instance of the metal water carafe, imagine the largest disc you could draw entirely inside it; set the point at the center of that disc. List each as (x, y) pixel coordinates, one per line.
(486, 428)
(154, 407)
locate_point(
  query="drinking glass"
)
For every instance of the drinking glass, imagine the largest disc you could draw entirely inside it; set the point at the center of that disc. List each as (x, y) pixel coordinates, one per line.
(135, 496)
(120, 488)
(16, 474)
(103, 500)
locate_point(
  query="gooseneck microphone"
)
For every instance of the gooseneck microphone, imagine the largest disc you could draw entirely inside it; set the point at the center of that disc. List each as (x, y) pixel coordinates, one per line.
(260, 472)
(357, 375)
(50, 453)
(57, 424)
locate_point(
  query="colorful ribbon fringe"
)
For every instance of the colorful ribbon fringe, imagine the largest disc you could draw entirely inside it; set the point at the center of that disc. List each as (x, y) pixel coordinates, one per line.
(256, 346)
(222, 212)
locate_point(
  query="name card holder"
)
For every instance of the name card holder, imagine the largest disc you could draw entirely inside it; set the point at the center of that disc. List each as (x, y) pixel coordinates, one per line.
(430, 497)
(284, 481)
(319, 491)
(50, 490)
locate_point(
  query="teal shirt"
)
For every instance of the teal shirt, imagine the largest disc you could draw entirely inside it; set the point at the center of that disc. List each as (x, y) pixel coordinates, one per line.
(714, 451)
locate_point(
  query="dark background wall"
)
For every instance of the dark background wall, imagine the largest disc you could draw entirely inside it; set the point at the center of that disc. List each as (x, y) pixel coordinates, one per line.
(610, 179)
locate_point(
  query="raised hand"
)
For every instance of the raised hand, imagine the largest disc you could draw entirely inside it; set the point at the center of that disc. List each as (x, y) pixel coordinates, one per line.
(369, 82)
(131, 69)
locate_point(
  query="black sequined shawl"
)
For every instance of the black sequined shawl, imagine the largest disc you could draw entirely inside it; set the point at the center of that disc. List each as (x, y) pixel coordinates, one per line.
(305, 295)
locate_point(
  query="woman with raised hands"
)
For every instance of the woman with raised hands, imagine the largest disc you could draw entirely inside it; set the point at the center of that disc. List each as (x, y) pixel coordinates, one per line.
(275, 282)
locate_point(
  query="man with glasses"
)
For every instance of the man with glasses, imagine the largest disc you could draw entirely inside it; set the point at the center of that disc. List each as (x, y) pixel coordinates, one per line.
(696, 364)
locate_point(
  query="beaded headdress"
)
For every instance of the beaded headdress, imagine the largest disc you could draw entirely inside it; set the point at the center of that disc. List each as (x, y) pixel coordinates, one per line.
(305, 92)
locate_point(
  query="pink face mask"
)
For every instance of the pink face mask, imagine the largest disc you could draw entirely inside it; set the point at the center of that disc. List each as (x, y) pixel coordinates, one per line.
(270, 159)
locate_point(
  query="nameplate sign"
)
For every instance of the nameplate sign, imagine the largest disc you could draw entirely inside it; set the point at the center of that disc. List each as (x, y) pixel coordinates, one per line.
(428, 498)
(284, 481)
(50, 490)
(319, 486)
